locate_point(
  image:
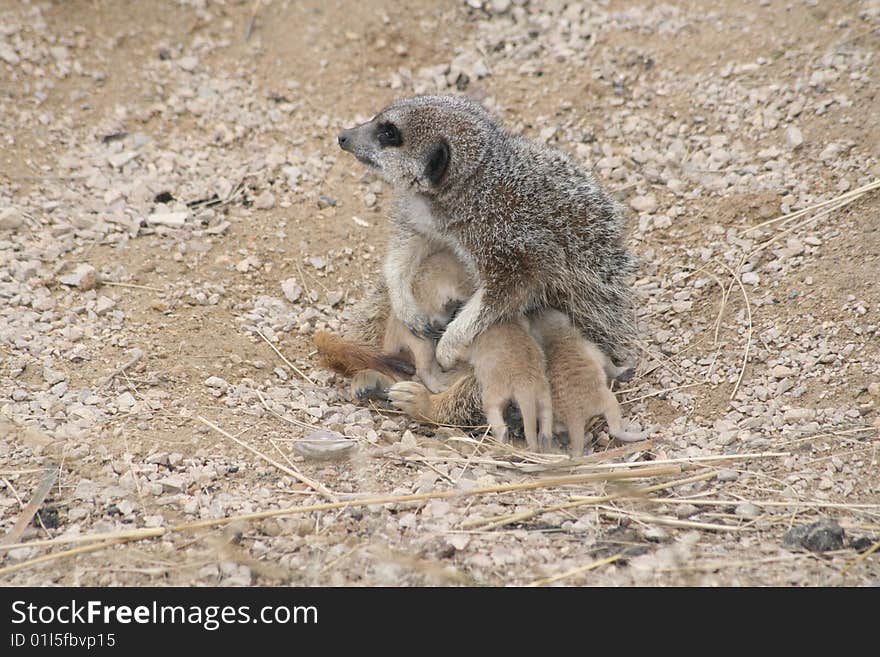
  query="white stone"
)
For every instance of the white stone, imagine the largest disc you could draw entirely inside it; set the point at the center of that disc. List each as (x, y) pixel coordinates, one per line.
(11, 219)
(292, 291)
(264, 201)
(646, 203)
(84, 277)
(188, 64)
(170, 219)
(8, 55)
(125, 401)
(119, 160)
(794, 137)
(103, 304)
(324, 445)
(216, 382)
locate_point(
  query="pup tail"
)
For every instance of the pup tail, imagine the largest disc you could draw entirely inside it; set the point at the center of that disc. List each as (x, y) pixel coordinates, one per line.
(348, 357)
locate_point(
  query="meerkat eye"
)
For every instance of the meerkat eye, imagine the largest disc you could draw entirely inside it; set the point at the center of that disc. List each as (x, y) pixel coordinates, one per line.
(388, 135)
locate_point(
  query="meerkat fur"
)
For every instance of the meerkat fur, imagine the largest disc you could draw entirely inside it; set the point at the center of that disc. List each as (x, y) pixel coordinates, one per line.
(532, 228)
(459, 405)
(506, 360)
(509, 366)
(578, 374)
(439, 287)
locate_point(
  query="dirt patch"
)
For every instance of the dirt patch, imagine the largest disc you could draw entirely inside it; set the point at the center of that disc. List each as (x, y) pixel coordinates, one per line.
(197, 171)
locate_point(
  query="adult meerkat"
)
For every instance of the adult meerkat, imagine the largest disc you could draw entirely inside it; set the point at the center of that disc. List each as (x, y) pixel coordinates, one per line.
(578, 374)
(532, 228)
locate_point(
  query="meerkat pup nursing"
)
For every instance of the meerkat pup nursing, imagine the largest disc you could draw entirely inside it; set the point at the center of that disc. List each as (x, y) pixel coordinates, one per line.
(532, 228)
(440, 285)
(509, 366)
(578, 372)
(506, 360)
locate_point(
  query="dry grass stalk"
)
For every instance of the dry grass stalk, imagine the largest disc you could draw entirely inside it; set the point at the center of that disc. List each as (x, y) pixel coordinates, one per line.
(745, 294)
(29, 511)
(768, 504)
(660, 392)
(487, 524)
(859, 559)
(133, 285)
(690, 459)
(673, 522)
(132, 534)
(291, 420)
(55, 556)
(576, 571)
(596, 457)
(281, 356)
(311, 483)
(372, 501)
(838, 201)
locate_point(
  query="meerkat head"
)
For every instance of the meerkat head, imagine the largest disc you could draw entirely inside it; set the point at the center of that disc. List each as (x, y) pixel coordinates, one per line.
(423, 144)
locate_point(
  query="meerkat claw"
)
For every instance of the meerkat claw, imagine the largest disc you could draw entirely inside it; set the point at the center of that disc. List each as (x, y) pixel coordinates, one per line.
(433, 331)
(370, 384)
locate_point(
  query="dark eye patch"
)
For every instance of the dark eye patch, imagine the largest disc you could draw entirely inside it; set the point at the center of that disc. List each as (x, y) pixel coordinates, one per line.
(388, 135)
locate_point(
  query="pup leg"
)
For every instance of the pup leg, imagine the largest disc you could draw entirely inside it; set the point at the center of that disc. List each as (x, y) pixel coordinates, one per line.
(427, 368)
(576, 437)
(545, 422)
(495, 417)
(528, 407)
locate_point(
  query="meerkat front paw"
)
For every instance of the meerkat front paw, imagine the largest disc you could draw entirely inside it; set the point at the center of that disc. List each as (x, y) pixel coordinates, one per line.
(412, 398)
(407, 311)
(436, 380)
(448, 351)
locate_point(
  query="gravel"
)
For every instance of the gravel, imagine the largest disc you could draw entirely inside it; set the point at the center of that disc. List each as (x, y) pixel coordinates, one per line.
(172, 197)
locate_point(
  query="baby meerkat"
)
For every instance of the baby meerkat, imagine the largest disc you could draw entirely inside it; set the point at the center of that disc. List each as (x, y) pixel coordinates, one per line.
(508, 367)
(578, 372)
(440, 285)
(507, 362)
(533, 229)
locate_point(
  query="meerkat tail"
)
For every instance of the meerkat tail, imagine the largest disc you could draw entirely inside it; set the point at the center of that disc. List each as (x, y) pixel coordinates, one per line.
(615, 422)
(348, 358)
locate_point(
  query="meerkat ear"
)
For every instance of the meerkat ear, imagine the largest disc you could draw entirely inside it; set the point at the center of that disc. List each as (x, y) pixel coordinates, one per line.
(438, 162)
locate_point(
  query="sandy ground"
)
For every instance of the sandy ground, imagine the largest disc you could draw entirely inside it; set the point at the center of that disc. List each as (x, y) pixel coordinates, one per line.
(188, 163)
